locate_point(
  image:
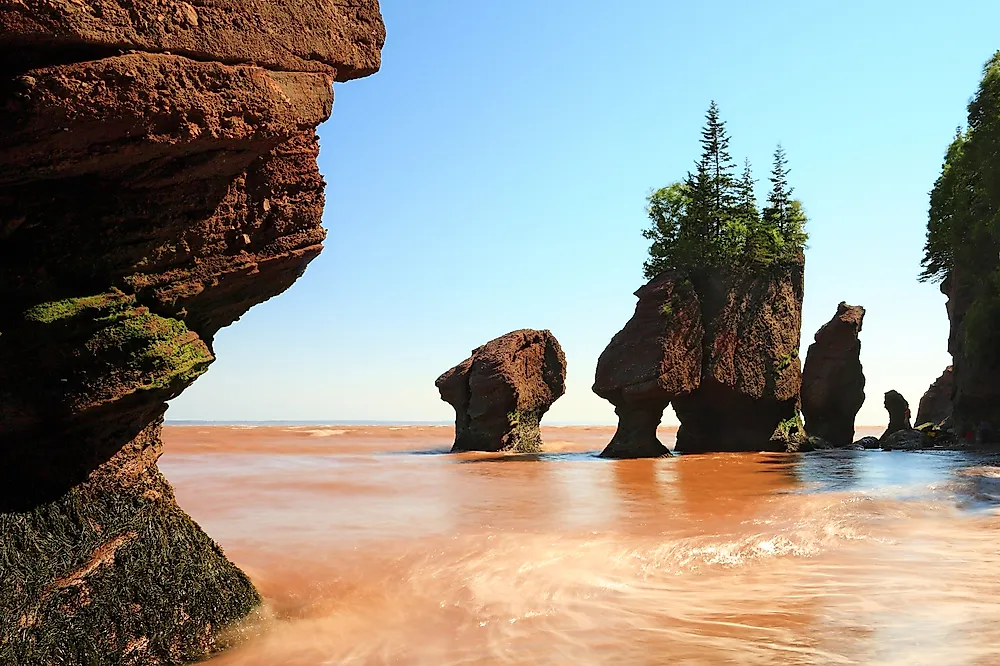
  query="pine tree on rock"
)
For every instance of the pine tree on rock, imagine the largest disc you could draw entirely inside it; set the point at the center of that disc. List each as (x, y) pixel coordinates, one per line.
(711, 219)
(779, 201)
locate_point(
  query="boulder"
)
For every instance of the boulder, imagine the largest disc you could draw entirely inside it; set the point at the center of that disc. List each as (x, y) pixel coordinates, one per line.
(833, 384)
(868, 443)
(905, 440)
(722, 348)
(501, 392)
(935, 405)
(158, 178)
(899, 413)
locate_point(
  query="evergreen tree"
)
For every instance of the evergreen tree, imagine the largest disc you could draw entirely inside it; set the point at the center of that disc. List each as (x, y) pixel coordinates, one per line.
(712, 219)
(746, 199)
(716, 166)
(780, 199)
(783, 217)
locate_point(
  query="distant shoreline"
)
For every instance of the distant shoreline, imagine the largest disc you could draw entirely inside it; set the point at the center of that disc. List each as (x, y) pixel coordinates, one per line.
(345, 422)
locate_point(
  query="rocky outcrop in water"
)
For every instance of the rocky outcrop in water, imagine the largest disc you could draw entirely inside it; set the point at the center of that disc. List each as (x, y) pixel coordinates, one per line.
(935, 405)
(654, 359)
(833, 384)
(501, 392)
(722, 348)
(899, 413)
(158, 178)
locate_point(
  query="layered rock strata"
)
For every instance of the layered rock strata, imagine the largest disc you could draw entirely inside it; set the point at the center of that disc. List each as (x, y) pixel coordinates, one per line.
(722, 348)
(158, 178)
(833, 383)
(501, 392)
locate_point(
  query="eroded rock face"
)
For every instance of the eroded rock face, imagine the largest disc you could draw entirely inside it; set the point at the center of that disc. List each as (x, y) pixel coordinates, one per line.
(975, 372)
(833, 384)
(722, 349)
(158, 178)
(654, 359)
(501, 392)
(935, 405)
(899, 413)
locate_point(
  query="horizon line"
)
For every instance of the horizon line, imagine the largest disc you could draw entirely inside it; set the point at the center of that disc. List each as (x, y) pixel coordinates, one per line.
(373, 422)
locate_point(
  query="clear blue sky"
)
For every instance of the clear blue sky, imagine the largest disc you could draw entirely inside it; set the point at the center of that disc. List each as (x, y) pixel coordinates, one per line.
(493, 176)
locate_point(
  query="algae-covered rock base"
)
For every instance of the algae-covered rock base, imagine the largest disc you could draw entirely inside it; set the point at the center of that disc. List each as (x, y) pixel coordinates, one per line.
(114, 572)
(158, 178)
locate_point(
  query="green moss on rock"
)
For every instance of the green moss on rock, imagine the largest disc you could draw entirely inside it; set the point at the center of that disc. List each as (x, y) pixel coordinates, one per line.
(125, 347)
(163, 349)
(114, 575)
(112, 302)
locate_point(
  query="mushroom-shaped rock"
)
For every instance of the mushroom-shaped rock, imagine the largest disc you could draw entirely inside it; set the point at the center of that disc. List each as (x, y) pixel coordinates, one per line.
(721, 346)
(935, 405)
(833, 385)
(655, 358)
(899, 413)
(501, 392)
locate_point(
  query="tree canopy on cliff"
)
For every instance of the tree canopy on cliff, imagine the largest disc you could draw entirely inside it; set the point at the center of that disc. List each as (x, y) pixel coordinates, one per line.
(711, 218)
(963, 228)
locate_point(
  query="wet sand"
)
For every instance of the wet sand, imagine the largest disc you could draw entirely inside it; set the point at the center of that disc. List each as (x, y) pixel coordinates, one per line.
(371, 545)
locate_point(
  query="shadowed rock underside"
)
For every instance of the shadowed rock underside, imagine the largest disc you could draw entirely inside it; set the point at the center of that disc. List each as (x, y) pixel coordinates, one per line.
(158, 178)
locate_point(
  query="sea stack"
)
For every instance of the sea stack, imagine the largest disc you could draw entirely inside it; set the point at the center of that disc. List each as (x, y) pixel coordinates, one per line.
(721, 346)
(833, 384)
(935, 405)
(501, 392)
(899, 413)
(654, 359)
(158, 177)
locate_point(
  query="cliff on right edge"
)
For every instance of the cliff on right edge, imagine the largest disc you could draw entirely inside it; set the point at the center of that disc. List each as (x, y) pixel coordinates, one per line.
(963, 254)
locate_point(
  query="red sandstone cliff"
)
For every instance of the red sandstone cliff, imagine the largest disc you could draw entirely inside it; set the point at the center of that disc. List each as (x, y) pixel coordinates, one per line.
(158, 178)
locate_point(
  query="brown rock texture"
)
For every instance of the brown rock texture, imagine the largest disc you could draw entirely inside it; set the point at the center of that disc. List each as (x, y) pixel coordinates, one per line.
(501, 392)
(833, 384)
(899, 413)
(654, 359)
(158, 178)
(975, 373)
(722, 348)
(935, 404)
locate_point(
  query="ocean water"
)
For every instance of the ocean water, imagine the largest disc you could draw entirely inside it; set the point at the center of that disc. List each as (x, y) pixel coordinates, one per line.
(372, 545)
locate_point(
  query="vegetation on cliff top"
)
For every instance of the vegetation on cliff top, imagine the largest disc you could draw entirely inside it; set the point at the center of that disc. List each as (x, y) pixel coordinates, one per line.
(711, 218)
(963, 228)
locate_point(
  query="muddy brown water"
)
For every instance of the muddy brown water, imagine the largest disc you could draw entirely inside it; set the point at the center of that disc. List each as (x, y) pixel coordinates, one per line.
(371, 545)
